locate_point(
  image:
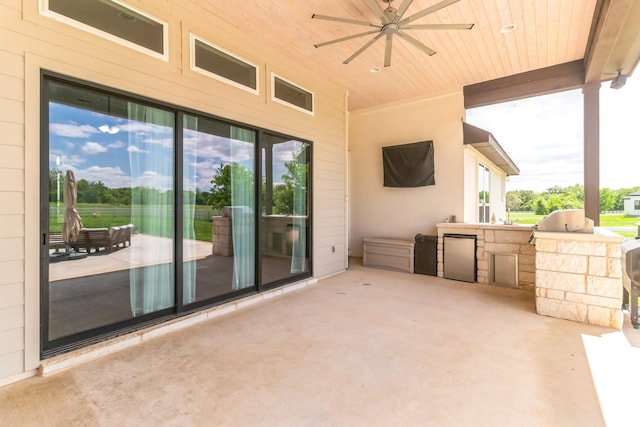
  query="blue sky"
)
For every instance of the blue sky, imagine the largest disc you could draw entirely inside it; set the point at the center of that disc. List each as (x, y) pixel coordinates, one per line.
(98, 147)
(543, 136)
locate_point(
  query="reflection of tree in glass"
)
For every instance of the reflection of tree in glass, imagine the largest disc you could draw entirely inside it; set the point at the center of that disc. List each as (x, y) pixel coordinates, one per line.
(227, 175)
(295, 179)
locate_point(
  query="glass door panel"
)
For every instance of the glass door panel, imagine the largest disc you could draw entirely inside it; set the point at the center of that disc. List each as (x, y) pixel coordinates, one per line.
(110, 204)
(219, 208)
(285, 208)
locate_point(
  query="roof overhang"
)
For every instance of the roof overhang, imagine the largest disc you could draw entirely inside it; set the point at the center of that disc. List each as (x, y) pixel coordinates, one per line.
(614, 45)
(487, 145)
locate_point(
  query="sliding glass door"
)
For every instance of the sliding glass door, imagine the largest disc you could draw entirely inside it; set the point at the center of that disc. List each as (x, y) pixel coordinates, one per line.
(109, 201)
(285, 210)
(219, 230)
(149, 212)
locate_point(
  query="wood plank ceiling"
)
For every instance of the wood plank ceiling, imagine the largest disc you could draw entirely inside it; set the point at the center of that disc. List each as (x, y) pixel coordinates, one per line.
(548, 32)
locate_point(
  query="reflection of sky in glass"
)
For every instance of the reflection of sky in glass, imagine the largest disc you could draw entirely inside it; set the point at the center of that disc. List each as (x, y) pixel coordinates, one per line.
(204, 153)
(77, 143)
(282, 153)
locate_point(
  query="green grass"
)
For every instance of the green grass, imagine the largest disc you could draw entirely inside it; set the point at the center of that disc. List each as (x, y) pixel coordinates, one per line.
(105, 216)
(606, 220)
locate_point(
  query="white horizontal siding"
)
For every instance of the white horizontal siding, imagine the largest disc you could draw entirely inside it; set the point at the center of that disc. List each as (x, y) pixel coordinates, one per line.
(11, 295)
(11, 364)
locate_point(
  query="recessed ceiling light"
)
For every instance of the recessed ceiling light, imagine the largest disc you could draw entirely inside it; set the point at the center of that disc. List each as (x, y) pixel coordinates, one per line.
(508, 28)
(374, 69)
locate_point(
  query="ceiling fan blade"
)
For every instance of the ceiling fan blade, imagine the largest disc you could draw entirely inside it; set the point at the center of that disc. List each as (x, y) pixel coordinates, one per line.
(354, 36)
(438, 27)
(416, 43)
(387, 50)
(363, 48)
(373, 5)
(436, 7)
(402, 9)
(344, 20)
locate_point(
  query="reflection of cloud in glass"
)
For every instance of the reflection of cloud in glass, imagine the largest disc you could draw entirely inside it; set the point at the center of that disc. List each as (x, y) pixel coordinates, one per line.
(117, 144)
(112, 177)
(66, 161)
(72, 130)
(93, 148)
(134, 149)
(204, 153)
(151, 179)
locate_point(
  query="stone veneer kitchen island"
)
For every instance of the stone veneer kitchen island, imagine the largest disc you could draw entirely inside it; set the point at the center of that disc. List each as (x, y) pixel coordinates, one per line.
(579, 276)
(576, 276)
(495, 239)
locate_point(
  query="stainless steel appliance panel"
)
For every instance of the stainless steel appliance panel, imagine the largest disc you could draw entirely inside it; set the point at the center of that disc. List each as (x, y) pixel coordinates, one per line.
(460, 257)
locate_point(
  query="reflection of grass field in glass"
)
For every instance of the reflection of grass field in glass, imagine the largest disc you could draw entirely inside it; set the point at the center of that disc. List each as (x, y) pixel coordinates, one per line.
(105, 216)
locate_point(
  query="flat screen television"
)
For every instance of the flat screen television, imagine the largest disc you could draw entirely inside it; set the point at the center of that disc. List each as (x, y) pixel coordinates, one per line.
(408, 165)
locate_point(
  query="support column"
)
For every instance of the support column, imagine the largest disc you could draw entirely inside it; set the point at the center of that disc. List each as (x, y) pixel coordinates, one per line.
(591, 99)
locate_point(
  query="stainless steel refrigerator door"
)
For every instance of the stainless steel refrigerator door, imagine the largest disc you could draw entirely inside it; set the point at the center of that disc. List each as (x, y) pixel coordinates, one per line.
(460, 258)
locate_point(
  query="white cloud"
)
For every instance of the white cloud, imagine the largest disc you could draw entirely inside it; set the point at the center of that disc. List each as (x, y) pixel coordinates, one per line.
(93, 148)
(134, 149)
(117, 144)
(112, 177)
(152, 179)
(72, 130)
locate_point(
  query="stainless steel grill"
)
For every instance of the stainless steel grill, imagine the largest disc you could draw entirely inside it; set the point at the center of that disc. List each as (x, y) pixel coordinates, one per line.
(631, 278)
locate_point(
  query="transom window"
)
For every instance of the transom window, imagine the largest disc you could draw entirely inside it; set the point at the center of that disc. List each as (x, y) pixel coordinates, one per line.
(113, 20)
(216, 62)
(289, 94)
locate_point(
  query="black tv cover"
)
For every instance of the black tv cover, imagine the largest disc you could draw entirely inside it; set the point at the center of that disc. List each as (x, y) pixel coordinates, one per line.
(408, 165)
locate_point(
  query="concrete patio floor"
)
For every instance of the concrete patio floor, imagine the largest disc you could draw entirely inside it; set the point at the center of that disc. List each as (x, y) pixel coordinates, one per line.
(368, 347)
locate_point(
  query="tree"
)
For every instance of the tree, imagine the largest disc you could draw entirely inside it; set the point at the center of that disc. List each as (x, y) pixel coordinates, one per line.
(513, 201)
(607, 199)
(227, 177)
(293, 182)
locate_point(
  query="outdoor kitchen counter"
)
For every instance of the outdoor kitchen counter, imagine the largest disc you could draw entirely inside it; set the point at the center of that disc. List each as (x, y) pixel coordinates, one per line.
(579, 276)
(491, 240)
(576, 276)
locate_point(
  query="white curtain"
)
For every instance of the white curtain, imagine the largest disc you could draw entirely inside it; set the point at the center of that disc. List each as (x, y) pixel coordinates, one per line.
(243, 209)
(190, 126)
(151, 162)
(299, 221)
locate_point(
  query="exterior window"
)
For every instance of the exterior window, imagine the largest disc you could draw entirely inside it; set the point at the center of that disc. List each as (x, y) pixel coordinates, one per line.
(222, 65)
(289, 94)
(113, 20)
(636, 205)
(483, 193)
(149, 211)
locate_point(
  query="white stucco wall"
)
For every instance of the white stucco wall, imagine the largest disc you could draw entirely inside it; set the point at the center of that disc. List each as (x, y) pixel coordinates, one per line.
(378, 211)
(497, 178)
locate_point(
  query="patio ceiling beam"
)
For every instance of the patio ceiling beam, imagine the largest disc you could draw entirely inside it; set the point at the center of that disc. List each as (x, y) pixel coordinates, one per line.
(614, 41)
(543, 81)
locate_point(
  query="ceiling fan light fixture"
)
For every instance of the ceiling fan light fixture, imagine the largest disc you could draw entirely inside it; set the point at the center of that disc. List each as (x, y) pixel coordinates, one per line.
(392, 23)
(508, 28)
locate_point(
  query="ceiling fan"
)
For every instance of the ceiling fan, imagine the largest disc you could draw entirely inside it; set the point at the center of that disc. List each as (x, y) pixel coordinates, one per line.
(392, 23)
